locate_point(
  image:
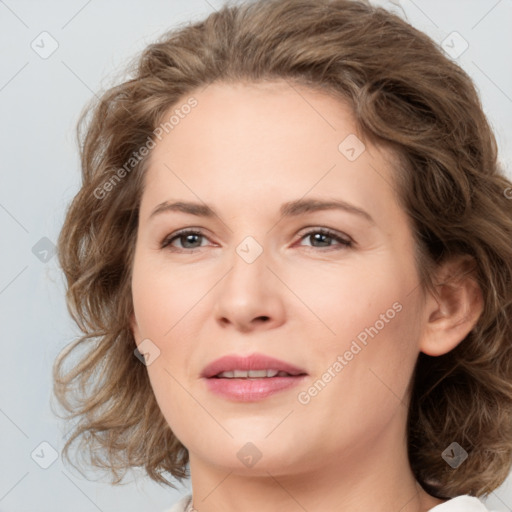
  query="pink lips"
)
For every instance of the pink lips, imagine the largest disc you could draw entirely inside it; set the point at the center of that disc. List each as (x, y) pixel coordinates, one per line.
(254, 389)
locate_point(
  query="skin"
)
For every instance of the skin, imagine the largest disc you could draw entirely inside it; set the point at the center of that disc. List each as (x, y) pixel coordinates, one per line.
(244, 150)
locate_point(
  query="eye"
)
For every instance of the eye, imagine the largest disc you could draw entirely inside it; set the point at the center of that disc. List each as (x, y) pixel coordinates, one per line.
(190, 240)
(325, 237)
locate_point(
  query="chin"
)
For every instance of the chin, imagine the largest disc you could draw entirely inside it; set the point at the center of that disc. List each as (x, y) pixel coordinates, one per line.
(275, 464)
(258, 457)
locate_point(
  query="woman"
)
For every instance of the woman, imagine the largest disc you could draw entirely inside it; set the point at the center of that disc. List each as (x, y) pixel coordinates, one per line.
(290, 260)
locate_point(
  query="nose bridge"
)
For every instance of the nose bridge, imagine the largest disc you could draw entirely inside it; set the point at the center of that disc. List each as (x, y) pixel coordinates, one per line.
(249, 291)
(248, 268)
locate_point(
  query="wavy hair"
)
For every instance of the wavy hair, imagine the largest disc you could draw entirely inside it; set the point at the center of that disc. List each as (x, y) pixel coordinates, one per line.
(406, 95)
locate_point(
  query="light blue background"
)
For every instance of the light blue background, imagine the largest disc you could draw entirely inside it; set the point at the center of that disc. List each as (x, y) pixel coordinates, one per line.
(40, 101)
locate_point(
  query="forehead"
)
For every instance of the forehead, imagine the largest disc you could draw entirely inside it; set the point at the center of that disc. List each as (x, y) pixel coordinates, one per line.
(266, 140)
(243, 115)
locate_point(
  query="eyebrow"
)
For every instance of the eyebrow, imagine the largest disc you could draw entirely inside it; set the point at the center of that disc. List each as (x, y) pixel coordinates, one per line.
(289, 209)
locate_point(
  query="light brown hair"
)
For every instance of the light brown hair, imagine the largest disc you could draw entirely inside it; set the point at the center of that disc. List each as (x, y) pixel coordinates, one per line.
(406, 95)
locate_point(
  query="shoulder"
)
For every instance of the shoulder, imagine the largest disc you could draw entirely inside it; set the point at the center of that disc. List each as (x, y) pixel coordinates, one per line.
(180, 506)
(464, 503)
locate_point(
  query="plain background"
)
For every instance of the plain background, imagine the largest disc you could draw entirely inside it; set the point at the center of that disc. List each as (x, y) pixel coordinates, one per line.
(40, 101)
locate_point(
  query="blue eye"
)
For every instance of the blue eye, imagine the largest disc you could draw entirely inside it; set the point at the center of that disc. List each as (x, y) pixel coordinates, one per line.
(188, 238)
(325, 237)
(192, 239)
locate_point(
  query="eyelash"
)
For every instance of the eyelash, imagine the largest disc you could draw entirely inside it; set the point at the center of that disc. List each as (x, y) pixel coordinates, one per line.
(345, 243)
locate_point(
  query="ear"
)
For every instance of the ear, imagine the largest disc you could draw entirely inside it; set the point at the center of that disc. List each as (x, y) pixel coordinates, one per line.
(455, 309)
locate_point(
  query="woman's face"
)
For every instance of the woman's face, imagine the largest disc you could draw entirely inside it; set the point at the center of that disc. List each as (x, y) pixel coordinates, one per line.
(261, 278)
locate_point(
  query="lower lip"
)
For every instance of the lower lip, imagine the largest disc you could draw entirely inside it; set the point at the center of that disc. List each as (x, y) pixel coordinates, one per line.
(251, 390)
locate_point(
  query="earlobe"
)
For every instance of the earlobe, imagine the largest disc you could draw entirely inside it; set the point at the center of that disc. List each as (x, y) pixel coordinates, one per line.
(456, 308)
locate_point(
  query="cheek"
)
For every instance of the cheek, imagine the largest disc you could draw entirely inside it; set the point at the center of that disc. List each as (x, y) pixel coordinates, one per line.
(163, 297)
(370, 382)
(388, 341)
(371, 320)
(166, 304)
(342, 300)
(378, 329)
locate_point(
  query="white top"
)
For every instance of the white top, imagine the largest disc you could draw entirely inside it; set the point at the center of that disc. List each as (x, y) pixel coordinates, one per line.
(464, 503)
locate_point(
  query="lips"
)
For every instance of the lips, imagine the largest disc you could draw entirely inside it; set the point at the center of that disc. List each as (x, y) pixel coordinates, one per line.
(254, 362)
(250, 378)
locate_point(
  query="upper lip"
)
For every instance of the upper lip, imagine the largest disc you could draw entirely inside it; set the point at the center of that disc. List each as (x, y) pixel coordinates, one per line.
(252, 362)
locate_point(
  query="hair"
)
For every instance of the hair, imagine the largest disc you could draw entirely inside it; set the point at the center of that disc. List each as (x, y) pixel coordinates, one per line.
(407, 96)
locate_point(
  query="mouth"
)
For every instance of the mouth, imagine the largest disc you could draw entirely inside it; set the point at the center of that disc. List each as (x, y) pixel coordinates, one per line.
(253, 366)
(250, 378)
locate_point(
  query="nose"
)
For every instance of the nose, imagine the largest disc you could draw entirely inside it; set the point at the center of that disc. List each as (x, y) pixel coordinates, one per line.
(249, 297)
